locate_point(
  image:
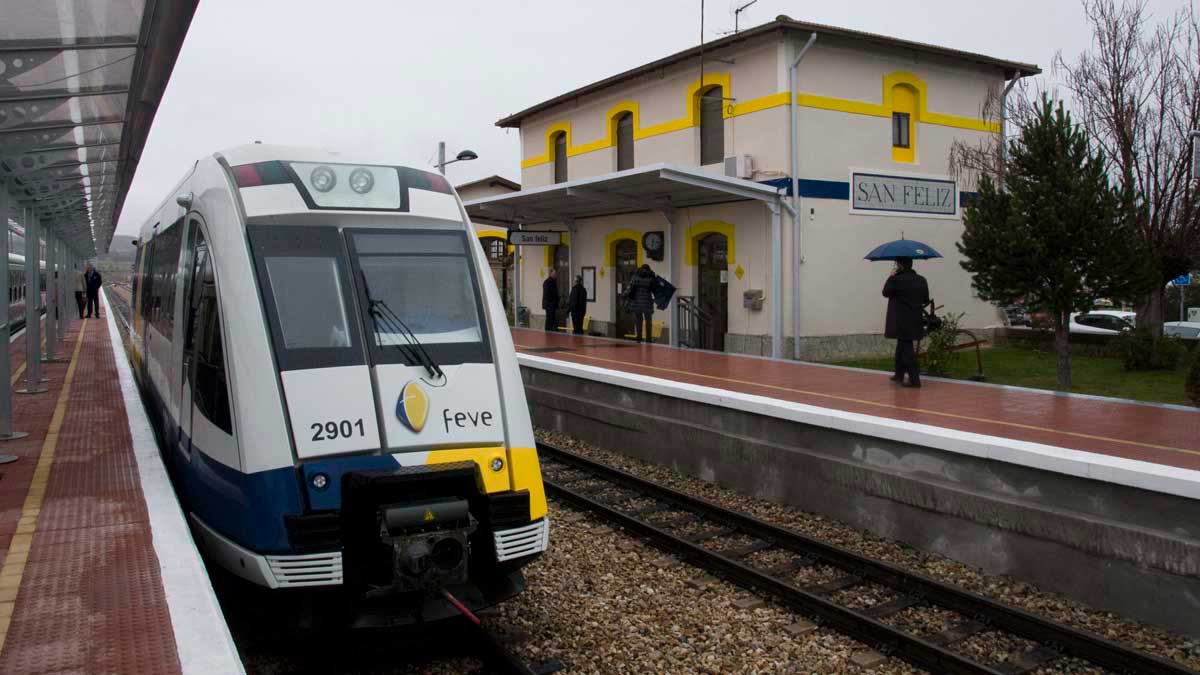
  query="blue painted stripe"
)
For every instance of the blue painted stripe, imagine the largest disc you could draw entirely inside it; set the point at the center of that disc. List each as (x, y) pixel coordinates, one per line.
(834, 189)
(331, 496)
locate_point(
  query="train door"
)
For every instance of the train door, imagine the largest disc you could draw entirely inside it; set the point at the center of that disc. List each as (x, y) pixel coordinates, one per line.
(625, 256)
(713, 288)
(197, 254)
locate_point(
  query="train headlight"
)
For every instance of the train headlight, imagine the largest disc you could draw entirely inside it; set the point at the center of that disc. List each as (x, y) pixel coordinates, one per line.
(361, 181)
(322, 179)
(320, 481)
(497, 464)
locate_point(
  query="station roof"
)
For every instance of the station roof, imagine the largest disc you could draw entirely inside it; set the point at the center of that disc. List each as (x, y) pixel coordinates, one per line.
(647, 188)
(80, 82)
(782, 23)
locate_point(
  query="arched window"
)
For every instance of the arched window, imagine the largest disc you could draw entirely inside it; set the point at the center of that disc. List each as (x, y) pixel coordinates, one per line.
(904, 128)
(624, 141)
(560, 157)
(712, 126)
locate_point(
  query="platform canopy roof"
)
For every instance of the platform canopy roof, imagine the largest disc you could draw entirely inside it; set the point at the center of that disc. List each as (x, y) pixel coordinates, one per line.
(656, 187)
(80, 81)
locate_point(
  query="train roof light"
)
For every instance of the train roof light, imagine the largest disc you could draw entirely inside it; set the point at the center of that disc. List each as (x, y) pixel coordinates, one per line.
(323, 179)
(362, 180)
(328, 185)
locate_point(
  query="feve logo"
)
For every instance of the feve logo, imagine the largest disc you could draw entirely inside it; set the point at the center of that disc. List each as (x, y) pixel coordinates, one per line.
(412, 408)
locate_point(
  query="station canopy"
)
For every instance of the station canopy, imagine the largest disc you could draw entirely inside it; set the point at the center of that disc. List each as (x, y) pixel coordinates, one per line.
(656, 187)
(80, 81)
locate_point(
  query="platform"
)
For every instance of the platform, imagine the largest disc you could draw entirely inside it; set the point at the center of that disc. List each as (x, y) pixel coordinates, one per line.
(1093, 497)
(98, 573)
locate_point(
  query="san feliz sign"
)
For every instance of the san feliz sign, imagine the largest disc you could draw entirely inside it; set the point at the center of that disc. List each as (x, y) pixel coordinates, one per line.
(531, 238)
(873, 192)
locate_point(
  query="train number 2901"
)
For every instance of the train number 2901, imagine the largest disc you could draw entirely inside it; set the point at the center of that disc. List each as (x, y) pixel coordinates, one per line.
(331, 431)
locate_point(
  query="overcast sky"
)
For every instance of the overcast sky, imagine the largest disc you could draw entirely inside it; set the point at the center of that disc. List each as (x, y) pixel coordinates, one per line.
(395, 76)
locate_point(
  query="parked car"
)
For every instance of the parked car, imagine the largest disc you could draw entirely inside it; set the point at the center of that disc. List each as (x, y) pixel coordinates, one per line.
(1016, 315)
(1184, 330)
(1102, 322)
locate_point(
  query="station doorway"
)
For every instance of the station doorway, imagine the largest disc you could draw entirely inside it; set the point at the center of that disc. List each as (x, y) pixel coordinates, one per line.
(712, 288)
(625, 257)
(562, 265)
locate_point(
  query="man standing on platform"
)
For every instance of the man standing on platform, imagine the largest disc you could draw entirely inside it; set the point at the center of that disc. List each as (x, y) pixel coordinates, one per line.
(80, 290)
(577, 305)
(550, 299)
(907, 293)
(94, 281)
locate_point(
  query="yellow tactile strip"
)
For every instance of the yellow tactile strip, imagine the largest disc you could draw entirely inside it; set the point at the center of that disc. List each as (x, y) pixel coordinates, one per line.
(18, 551)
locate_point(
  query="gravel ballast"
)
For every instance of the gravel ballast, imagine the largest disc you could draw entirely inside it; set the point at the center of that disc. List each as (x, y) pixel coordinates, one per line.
(1153, 640)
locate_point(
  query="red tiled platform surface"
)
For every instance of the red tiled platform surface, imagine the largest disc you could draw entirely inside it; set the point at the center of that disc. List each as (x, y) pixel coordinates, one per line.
(1148, 433)
(89, 599)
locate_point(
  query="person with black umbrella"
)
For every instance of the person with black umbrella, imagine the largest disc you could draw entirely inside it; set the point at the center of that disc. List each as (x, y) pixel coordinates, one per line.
(907, 293)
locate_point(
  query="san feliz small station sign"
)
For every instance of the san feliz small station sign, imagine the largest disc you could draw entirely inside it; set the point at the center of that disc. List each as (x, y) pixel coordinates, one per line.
(873, 192)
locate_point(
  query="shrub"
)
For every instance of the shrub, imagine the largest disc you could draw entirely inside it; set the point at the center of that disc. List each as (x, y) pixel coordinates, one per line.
(1192, 383)
(939, 355)
(1140, 351)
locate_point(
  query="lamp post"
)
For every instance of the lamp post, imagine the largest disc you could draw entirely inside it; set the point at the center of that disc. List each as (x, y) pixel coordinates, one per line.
(464, 156)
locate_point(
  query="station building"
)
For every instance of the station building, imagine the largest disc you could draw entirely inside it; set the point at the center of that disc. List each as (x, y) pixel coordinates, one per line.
(685, 164)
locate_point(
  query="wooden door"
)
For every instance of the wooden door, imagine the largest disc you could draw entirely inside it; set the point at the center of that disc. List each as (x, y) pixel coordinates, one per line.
(625, 255)
(713, 288)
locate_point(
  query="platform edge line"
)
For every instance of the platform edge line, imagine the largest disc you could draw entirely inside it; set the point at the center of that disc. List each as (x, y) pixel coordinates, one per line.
(199, 625)
(1134, 473)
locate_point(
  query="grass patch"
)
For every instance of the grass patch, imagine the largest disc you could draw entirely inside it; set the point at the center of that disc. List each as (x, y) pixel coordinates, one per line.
(1035, 369)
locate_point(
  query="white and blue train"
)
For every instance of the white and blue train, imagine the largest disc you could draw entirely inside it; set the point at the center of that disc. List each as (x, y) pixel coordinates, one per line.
(330, 370)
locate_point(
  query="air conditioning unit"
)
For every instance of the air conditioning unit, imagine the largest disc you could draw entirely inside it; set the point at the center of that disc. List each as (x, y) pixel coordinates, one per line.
(739, 166)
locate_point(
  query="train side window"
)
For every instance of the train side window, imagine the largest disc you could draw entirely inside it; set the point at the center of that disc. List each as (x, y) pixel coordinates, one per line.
(210, 389)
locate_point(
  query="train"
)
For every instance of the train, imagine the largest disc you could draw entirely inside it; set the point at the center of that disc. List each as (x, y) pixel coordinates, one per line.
(16, 279)
(326, 360)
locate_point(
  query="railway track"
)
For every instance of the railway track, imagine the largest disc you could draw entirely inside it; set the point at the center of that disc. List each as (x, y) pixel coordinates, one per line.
(769, 559)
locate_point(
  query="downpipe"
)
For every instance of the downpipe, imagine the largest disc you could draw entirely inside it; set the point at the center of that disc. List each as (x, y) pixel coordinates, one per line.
(793, 169)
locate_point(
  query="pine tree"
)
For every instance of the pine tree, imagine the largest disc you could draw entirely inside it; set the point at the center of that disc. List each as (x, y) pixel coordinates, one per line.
(1060, 236)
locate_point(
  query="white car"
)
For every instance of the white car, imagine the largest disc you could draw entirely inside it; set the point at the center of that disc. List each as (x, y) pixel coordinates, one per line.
(1102, 322)
(1184, 330)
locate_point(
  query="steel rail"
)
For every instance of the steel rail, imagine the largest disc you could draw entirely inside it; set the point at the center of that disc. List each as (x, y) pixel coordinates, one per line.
(1060, 639)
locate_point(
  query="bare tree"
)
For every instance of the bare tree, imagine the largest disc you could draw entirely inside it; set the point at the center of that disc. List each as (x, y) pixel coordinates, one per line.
(970, 161)
(1137, 94)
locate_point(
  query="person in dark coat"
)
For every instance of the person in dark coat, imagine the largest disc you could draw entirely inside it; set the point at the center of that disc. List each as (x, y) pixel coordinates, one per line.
(640, 299)
(907, 293)
(94, 281)
(577, 305)
(550, 300)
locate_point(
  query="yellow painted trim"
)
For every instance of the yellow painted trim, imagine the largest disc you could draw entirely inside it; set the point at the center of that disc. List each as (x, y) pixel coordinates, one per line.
(692, 116)
(526, 474)
(610, 240)
(485, 479)
(698, 230)
(548, 251)
(22, 541)
(494, 234)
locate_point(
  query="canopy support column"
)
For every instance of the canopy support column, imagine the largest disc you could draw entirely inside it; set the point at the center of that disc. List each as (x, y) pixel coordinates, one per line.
(51, 299)
(518, 299)
(776, 279)
(672, 217)
(33, 302)
(6, 431)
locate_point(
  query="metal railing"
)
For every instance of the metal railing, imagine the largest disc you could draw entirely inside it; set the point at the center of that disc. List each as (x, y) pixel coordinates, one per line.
(692, 323)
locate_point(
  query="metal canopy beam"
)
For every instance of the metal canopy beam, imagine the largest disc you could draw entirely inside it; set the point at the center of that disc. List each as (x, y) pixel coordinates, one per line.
(60, 126)
(62, 147)
(74, 44)
(51, 94)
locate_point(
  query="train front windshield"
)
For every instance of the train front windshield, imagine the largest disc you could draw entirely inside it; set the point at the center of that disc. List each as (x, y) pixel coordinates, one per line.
(416, 291)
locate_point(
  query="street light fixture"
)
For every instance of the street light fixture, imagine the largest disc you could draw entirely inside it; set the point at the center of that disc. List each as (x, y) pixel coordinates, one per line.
(464, 156)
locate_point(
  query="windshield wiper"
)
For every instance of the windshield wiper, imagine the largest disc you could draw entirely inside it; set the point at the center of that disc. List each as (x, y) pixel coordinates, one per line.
(427, 360)
(414, 351)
